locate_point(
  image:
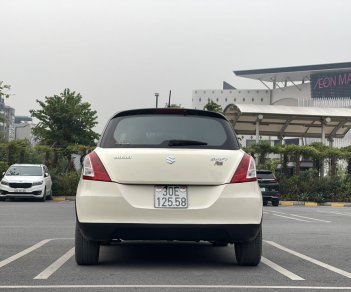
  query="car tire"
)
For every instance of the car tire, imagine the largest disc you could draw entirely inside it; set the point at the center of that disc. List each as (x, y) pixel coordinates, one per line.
(265, 203)
(43, 199)
(249, 253)
(49, 197)
(275, 203)
(2, 199)
(86, 251)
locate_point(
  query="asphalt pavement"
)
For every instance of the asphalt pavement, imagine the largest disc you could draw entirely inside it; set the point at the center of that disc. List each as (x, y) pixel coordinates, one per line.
(305, 249)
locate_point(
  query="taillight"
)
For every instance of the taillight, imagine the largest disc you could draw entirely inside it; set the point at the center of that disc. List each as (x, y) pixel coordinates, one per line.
(93, 169)
(246, 170)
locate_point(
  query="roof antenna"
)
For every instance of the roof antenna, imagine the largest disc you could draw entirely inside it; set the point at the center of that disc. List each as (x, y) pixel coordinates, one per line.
(169, 98)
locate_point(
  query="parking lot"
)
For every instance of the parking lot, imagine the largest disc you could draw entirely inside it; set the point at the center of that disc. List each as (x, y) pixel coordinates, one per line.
(305, 248)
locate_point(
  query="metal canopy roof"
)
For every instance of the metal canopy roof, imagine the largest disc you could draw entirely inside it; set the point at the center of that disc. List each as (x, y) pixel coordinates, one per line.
(289, 121)
(296, 73)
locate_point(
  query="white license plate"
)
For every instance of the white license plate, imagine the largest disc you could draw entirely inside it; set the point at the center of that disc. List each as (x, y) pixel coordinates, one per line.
(171, 197)
(20, 190)
(263, 189)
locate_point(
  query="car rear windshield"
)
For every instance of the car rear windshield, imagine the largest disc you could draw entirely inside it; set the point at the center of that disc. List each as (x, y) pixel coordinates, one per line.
(265, 175)
(167, 131)
(25, 170)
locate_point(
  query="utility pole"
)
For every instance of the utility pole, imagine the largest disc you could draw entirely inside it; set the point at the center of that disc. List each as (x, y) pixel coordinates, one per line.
(169, 98)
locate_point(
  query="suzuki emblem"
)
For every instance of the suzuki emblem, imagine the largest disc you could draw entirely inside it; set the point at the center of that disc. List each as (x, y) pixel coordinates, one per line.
(170, 159)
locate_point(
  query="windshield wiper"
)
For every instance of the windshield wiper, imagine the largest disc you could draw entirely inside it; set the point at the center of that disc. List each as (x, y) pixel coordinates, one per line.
(185, 143)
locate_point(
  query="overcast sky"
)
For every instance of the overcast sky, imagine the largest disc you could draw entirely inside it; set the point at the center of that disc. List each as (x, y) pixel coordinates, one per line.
(118, 53)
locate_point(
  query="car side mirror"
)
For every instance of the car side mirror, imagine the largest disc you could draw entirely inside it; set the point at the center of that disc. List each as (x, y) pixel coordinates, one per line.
(46, 174)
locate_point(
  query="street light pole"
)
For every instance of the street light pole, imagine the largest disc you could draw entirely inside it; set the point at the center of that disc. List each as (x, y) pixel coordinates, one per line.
(169, 98)
(156, 95)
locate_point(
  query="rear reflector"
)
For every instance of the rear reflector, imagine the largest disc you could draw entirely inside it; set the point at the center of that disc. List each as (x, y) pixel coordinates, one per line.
(93, 169)
(246, 170)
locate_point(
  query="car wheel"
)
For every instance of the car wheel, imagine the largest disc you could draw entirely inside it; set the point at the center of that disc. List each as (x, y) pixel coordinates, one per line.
(249, 253)
(265, 203)
(49, 197)
(2, 199)
(87, 251)
(275, 203)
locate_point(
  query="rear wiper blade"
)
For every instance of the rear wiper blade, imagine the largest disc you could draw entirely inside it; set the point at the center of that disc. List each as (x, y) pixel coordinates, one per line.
(185, 142)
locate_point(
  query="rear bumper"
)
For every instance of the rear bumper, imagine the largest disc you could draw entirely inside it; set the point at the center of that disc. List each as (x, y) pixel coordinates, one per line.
(102, 202)
(230, 212)
(268, 196)
(189, 232)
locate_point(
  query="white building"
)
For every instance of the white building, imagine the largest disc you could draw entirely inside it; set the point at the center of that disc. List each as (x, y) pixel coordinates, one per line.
(7, 115)
(326, 85)
(23, 129)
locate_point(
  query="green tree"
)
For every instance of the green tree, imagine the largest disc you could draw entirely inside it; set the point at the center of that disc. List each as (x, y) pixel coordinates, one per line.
(318, 160)
(65, 120)
(4, 90)
(213, 107)
(296, 151)
(347, 157)
(4, 93)
(334, 155)
(173, 105)
(263, 148)
(284, 159)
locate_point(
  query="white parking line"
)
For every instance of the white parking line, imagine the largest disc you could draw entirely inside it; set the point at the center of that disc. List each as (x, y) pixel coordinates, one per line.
(299, 216)
(224, 287)
(281, 270)
(55, 265)
(62, 238)
(320, 220)
(278, 212)
(309, 259)
(285, 215)
(23, 253)
(341, 213)
(335, 212)
(292, 218)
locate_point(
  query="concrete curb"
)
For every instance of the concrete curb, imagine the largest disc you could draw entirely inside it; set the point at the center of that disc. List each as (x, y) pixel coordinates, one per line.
(311, 204)
(286, 203)
(314, 204)
(59, 199)
(63, 198)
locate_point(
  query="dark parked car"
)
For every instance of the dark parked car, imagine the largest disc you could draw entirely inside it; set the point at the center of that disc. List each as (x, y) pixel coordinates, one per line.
(269, 187)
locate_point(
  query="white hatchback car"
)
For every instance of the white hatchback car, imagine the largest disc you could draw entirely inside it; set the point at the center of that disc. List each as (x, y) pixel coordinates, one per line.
(169, 174)
(26, 181)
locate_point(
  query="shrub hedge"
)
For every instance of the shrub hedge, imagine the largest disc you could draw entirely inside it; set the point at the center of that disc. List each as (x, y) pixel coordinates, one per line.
(64, 184)
(308, 186)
